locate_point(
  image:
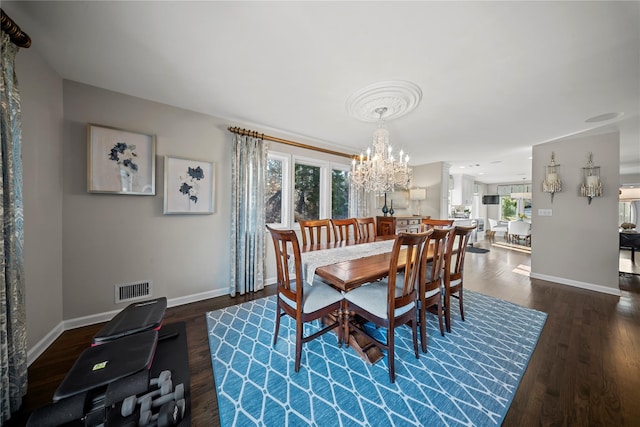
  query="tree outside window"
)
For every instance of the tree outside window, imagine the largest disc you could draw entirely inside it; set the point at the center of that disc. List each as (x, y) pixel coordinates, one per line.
(339, 194)
(273, 191)
(306, 197)
(509, 209)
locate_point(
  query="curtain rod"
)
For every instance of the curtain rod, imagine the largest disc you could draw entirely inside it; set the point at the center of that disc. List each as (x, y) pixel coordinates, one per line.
(17, 36)
(287, 142)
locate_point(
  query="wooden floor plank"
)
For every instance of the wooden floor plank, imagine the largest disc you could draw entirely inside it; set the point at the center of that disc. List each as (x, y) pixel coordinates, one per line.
(585, 369)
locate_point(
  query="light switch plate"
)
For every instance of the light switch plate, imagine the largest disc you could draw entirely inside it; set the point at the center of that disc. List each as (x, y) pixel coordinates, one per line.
(545, 212)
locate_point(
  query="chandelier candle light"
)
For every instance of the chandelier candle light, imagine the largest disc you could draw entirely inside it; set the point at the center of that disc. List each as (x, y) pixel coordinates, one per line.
(591, 186)
(551, 183)
(379, 171)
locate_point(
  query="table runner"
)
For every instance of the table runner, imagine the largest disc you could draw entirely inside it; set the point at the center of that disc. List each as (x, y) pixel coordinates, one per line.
(314, 259)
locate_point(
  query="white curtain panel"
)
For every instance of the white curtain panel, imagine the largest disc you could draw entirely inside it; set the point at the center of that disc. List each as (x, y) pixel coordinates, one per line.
(248, 171)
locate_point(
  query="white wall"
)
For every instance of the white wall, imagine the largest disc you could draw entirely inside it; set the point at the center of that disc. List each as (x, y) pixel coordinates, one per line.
(578, 244)
(42, 129)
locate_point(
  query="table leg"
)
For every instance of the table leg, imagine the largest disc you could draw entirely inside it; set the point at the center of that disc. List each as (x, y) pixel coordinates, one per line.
(362, 343)
(358, 340)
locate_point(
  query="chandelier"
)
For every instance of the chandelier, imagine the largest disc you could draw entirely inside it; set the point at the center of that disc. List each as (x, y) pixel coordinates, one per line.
(379, 171)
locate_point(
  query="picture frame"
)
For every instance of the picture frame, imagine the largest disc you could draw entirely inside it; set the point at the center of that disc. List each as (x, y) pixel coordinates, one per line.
(188, 186)
(400, 199)
(120, 161)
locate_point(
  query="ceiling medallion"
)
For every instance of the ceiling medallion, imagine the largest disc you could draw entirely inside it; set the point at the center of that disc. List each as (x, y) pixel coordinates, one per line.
(398, 97)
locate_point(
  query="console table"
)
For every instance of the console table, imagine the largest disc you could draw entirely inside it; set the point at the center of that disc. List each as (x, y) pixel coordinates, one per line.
(396, 224)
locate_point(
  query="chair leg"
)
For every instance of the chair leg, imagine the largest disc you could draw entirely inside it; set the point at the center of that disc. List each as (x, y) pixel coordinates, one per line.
(447, 312)
(391, 354)
(414, 330)
(299, 328)
(440, 314)
(278, 315)
(340, 328)
(423, 326)
(345, 323)
(461, 305)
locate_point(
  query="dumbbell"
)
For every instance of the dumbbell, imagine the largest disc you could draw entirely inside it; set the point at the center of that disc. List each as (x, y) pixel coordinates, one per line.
(129, 404)
(176, 395)
(182, 406)
(169, 415)
(164, 376)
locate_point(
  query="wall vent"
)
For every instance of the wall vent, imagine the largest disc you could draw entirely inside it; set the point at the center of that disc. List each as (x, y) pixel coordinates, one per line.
(133, 291)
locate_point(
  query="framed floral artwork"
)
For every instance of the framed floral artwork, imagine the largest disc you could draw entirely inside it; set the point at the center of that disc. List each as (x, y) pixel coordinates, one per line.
(120, 161)
(188, 186)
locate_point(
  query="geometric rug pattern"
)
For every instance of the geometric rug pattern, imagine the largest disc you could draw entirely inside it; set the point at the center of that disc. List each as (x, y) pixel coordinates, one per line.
(466, 378)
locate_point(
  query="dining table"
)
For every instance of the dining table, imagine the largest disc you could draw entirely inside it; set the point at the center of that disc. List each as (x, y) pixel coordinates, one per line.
(348, 264)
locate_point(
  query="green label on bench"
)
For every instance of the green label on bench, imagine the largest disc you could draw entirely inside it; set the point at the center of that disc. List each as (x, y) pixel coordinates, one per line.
(100, 365)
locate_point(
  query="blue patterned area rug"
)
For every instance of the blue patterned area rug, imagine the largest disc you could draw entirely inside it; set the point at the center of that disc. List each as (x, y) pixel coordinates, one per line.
(466, 378)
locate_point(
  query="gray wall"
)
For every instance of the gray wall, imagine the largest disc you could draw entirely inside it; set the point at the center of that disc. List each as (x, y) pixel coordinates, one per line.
(578, 244)
(429, 176)
(116, 239)
(79, 245)
(42, 129)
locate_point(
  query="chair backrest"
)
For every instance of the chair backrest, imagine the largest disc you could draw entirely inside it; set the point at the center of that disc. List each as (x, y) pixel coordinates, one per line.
(405, 294)
(386, 225)
(367, 228)
(456, 249)
(431, 273)
(492, 224)
(428, 223)
(313, 229)
(519, 228)
(287, 249)
(345, 229)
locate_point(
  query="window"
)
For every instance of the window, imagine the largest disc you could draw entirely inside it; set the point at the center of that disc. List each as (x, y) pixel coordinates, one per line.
(508, 209)
(339, 193)
(306, 194)
(309, 189)
(277, 190)
(626, 212)
(526, 208)
(511, 209)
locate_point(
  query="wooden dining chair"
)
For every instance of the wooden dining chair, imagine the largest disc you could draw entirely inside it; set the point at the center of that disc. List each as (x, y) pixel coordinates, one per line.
(297, 298)
(428, 223)
(430, 294)
(344, 229)
(312, 231)
(367, 228)
(391, 302)
(454, 269)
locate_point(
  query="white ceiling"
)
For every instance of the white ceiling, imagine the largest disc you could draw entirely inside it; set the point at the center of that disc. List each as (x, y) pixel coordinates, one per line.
(496, 77)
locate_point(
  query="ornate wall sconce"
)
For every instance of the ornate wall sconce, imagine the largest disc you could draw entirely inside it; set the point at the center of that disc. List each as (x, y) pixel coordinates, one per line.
(552, 183)
(591, 185)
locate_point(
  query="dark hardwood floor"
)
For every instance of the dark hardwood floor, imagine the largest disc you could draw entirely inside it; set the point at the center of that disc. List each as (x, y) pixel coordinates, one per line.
(585, 370)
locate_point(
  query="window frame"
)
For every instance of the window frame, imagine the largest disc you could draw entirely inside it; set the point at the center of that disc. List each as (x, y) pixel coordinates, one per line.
(289, 161)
